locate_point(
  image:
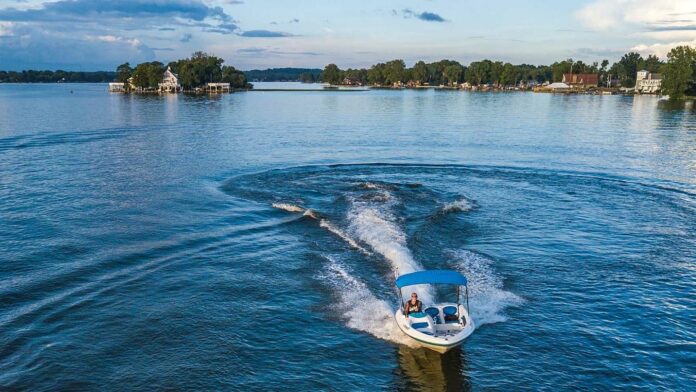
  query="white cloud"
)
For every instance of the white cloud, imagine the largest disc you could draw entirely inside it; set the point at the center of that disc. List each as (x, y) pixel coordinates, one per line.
(661, 24)
(660, 49)
(604, 15)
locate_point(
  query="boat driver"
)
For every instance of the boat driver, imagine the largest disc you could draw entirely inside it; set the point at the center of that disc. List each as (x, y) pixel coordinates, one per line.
(413, 305)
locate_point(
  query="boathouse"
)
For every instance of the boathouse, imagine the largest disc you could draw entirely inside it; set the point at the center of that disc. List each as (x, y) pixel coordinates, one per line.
(217, 88)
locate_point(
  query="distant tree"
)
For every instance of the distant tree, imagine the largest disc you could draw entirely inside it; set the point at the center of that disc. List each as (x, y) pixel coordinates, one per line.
(628, 67)
(331, 74)
(453, 74)
(680, 71)
(496, 71)
(508, 77)
(560, 68)
(375, 75)
(123, 73)
(394, 71)
(478, 72)
(420, 72)
(306, 77)
(652, 63)
(148, 75)
(234, 77)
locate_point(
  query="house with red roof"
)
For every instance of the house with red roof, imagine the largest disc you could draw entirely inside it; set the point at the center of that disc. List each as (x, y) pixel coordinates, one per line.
(583, 80)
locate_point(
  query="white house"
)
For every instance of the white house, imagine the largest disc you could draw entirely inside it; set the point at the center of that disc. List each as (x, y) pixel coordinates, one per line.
(170, 82)
(648, 82)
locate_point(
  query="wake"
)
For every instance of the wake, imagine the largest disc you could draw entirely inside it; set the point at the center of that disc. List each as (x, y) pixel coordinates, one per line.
(323, 223)
(373, 222)
(355, 298)
(487, 298)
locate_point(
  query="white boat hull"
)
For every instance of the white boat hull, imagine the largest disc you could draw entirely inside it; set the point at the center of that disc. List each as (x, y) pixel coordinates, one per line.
(440, 337)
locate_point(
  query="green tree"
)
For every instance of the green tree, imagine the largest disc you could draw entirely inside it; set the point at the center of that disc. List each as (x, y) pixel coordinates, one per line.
(123, 73)
(331, 74)
(375, 75)
(496, 71)
(420, 72)
(453, 74)
(148, 75)
(234, 77)
(652, 63)
(628, 67)
(394, 71)
(679, 72)
(478, 72)
(508, 76)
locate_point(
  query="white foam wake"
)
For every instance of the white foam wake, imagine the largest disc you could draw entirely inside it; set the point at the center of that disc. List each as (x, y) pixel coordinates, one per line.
(461, 205)
(343, 235)
(324, 223)
(359, 306)
(487, 298)
(374, 225)
(287, 207)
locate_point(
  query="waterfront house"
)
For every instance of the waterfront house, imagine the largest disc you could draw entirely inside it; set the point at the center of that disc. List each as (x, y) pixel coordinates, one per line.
(648, 82)
(170, 82)
(581, 80)
(347, 81)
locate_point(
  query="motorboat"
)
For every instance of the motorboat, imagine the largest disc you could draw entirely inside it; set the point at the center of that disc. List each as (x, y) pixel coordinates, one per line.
(440, 326)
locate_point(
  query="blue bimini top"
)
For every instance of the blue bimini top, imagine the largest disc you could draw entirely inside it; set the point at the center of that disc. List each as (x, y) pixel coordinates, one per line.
(431, 277)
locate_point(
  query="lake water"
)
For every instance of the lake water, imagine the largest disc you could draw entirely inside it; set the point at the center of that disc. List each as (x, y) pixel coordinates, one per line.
(140, 248)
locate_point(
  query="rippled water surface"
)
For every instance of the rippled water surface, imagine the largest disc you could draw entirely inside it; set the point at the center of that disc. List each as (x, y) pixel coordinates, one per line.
(250, 241)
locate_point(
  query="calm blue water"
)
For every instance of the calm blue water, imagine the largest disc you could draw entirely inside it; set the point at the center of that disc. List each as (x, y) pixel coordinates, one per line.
(151, 243)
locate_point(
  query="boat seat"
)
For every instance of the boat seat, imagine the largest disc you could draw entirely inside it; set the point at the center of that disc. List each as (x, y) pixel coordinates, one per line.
(434, 313)
(450, 314)
(422, 322)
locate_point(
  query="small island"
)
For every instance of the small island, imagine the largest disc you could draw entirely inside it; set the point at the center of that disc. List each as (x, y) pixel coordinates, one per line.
(201, 73)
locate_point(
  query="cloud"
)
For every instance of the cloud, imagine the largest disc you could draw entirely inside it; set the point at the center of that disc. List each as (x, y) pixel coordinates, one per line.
(186, 37)
(133, 14)
(264, 34)
(274, 52)
(424, 16)
(664, 24)
(661, 49)
(27, 46)
(603, 15)
(194, 10)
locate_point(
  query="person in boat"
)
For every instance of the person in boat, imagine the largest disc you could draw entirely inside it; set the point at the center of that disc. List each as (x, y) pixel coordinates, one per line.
(413, 305)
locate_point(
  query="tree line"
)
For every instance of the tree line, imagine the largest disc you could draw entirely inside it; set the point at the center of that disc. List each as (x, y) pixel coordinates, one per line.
(498, 73)
(32, 76)
(307, 75)
(193, 72)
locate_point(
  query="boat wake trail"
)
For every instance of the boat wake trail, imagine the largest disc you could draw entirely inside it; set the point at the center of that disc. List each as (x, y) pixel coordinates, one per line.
(487, 298)
(288, 207)
(373, 222)
(323, 223)
(379, 321)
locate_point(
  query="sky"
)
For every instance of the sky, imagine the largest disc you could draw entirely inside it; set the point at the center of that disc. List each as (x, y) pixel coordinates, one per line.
(89, 35)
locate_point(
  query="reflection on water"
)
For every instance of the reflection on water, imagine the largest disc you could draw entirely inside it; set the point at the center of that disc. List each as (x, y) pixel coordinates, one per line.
(426, 370)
